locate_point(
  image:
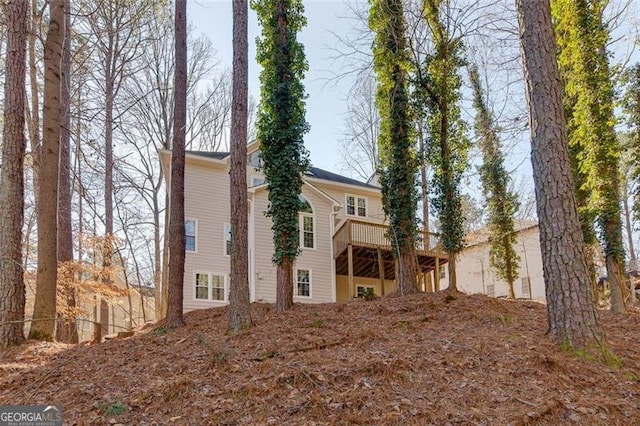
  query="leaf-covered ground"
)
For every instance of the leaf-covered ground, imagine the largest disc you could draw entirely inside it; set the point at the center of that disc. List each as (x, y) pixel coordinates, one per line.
(424, 359)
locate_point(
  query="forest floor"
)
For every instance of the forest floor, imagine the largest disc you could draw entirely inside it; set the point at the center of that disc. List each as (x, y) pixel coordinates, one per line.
(418, 360)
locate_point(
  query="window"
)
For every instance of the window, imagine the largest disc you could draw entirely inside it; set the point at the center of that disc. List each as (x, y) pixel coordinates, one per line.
(303, 286)
(255, 159)
(356, 206)
(209, 286)
(190, 234)
(307, 234)
(491, 290)
(227, 239)
(256, 181)
(443, 274)
(363, 290)
(526, 287)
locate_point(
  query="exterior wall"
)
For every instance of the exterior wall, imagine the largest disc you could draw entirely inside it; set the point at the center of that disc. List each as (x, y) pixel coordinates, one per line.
(206, 202)
(339, 193)
(318, 260)
(342, 286)
(475, 276)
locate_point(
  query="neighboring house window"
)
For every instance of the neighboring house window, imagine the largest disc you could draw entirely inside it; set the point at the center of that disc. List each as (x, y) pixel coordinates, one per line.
(190, 234)
(491, 290)
(307, 225)
(255, 159)
(356, 206)
(209, 286)
(526, 287)
(227, 239)
(303, 286)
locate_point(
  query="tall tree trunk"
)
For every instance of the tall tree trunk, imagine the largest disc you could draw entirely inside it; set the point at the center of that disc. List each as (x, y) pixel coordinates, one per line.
(408, 271)
(570, 309)
(44, 310)
(12, 289)
(284, 289)
(176, 217)
(239, 297)
(34, 122)
(66, 330)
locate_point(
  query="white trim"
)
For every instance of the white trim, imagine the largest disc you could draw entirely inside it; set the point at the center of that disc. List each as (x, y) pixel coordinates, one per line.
(195, 227)
(252, 255)
(301, 216)
(356, 198)
(320, 192)
(224, 238)
(295, 287)
(333, 261)
(343, 185)
(209, 298)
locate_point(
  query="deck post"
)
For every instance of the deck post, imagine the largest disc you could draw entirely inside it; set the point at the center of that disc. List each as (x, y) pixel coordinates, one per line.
(350, 261)
(381, 271)
(436, 273)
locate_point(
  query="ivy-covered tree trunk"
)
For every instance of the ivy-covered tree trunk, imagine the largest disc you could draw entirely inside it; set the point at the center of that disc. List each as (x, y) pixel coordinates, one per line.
(588, 100)
(239, 295)
(399, 165)
(448, 145)
(177, 237)
(281, 125)
(44, 309)
(502, 204)
(573, 321)
(12, 289)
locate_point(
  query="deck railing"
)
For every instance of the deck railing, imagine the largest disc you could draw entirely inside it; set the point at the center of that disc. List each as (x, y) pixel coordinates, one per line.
(374, 235)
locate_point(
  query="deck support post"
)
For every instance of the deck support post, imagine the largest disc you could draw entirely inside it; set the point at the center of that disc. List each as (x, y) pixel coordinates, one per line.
(350, 266)
(381, 271)
(436, 274)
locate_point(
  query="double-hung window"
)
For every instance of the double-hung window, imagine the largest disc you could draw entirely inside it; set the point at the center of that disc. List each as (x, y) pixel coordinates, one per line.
(210, 286)
(190, 235)
(227, 239)
(303, 283)
(307, 225)
(356, 206)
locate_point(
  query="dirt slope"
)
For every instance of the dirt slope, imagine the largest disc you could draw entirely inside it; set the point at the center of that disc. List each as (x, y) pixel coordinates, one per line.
(417, 360)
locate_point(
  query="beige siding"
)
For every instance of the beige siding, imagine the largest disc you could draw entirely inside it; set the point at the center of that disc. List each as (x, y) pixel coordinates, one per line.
(339, 193)
(342, 284)
(319, 260)
(207, 202)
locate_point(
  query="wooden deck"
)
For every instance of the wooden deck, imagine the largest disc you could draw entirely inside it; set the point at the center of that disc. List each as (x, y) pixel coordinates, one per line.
(365, 249)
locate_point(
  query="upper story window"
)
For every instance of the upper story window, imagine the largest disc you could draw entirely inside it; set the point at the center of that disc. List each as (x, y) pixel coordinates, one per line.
(255, 159)
(227, 239)
(307, 225)
(356, 206)
(190, 235)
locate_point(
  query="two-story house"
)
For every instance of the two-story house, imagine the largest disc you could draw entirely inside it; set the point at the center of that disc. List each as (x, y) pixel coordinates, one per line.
(343, 245)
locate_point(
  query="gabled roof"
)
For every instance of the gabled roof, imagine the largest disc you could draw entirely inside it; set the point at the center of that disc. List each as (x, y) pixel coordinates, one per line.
(313, 172)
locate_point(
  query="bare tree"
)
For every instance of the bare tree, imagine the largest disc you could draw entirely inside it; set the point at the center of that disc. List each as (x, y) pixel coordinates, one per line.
(176, 216)
(239, 302)
(570, 307)
(44, 310)
(12, 290)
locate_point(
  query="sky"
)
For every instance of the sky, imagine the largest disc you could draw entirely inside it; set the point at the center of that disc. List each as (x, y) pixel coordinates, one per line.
(326, 102)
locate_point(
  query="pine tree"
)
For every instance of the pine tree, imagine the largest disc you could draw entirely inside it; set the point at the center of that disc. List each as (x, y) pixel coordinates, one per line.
(399, 165)
(588, 101)
(502, 204)
(280, 126)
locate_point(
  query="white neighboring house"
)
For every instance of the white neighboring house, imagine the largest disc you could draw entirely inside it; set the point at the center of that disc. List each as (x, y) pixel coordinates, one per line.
(476, 276)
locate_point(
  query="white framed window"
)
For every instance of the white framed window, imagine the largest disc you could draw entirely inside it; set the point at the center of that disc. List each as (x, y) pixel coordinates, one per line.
(303, 283)
(254, 159)
(190, 231)
(491, 290)
(255, 181)
(210, 286)
(356, 206)
(307, 225)
(443, 273)
(227, 239)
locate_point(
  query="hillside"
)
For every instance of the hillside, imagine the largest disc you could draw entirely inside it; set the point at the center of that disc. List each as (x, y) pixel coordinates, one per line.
(424, 359)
